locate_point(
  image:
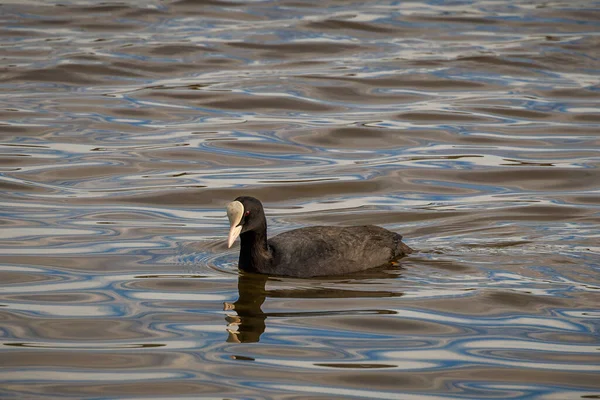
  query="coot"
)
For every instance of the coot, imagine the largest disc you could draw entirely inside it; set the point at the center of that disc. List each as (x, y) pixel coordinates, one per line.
(312, 251)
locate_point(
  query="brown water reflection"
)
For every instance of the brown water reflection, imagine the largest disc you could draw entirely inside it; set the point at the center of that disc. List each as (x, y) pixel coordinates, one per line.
(470, 127)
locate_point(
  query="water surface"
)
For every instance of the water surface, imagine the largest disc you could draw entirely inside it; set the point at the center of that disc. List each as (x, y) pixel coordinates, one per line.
(472, 127)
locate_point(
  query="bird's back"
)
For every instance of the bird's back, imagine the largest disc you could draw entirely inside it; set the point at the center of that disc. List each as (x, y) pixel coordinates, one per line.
(328, 250)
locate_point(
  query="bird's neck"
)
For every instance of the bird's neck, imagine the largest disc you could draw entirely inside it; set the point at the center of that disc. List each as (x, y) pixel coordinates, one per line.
(254, 253)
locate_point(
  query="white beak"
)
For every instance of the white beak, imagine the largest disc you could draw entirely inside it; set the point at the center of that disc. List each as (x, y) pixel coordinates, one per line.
(235, 212)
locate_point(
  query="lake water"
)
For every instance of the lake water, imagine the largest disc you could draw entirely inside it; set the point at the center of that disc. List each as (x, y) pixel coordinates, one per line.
(471, 127)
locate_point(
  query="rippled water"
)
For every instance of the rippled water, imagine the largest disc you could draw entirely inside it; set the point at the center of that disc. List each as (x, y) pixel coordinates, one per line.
(472, 127)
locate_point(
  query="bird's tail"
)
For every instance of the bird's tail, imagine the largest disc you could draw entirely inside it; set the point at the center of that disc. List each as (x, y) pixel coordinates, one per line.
(402, 249)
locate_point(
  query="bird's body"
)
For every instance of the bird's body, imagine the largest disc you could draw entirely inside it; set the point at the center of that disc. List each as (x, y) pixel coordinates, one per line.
(311, 251)
(331, 250)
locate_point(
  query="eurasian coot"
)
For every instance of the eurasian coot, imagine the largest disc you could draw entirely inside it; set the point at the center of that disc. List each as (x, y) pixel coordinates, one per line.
(312, 251)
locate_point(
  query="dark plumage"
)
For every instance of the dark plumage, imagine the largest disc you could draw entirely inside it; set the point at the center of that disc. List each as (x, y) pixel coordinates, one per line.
(312, 251)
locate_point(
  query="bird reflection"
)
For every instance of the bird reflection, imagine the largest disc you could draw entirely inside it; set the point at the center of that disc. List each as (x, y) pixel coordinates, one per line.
(250, 320)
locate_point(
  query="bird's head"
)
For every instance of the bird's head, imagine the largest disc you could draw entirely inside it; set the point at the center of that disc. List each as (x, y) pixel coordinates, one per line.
(245, 214)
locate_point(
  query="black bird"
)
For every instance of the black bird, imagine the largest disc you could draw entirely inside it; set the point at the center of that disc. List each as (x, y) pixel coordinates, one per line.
(312, 251)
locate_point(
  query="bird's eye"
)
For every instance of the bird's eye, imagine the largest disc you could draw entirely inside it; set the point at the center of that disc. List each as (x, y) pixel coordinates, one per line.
(247, 213)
